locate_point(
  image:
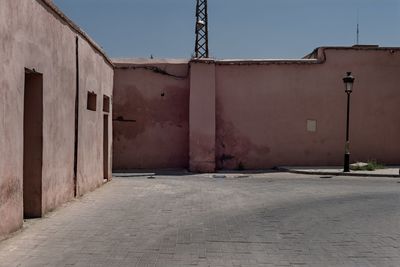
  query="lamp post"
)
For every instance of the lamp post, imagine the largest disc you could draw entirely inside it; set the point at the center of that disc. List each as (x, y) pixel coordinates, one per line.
(348, 82)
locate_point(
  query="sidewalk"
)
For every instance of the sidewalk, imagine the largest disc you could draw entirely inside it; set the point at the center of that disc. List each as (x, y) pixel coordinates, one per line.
(391, 171)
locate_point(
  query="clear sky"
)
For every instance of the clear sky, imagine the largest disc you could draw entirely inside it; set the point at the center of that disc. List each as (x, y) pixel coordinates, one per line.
(237, 28)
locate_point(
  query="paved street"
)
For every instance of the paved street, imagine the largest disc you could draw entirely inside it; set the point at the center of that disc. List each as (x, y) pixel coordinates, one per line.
(275, 219)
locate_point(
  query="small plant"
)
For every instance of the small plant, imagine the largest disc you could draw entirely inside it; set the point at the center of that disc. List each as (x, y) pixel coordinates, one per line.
(240, 166)
(371, 165)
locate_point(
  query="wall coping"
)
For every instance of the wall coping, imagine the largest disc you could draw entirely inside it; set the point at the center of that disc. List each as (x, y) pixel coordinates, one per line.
(317, 56)
(74, 27)
(127, 62)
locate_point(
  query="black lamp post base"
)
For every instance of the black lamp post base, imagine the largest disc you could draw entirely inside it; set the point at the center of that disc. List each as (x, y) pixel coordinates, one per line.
(346, 162)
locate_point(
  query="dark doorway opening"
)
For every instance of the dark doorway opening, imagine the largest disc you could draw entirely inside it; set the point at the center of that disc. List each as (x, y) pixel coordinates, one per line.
(33, 144)
(105, 149)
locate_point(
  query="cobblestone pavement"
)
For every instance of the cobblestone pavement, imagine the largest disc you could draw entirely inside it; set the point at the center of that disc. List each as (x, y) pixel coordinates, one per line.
(275, 219)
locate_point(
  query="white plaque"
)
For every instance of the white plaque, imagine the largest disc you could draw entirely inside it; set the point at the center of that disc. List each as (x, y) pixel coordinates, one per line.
(311, 126)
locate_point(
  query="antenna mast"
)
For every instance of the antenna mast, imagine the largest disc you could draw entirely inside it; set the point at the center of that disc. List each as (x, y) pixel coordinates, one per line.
(201, 46)
(358, 28)
(358, 34)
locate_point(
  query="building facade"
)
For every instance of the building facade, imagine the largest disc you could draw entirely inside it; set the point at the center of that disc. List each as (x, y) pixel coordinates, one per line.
(55, 111)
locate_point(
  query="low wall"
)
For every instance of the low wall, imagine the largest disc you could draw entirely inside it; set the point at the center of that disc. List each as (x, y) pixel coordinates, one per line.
(151, 114)
(263, 110)
(257, 114)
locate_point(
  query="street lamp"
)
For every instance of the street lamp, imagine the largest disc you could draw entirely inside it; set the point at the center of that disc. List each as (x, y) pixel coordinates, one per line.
(348, 82)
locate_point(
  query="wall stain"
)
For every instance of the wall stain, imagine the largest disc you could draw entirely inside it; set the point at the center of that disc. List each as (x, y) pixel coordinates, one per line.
(234, 150)
(122, 119)
(171, 109)
(10, 189)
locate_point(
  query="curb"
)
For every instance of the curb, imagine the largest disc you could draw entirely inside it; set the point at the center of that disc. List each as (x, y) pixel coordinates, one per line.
(339, 173)
(127, 175)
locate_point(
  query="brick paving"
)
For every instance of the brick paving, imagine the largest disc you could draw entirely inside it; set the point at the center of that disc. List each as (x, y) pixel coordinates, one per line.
(275, 219)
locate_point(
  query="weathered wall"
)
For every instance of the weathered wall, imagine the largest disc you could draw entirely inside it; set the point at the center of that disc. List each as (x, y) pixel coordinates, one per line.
(95, 76)
(262, 110)
(151, 115)
(202, 116)
(253, 113)
(34, 36)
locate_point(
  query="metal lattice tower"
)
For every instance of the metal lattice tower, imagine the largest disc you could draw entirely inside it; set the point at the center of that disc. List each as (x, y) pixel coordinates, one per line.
(201, 46)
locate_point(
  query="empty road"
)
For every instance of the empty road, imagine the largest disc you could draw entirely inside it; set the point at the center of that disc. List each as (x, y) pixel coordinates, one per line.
(272, 219)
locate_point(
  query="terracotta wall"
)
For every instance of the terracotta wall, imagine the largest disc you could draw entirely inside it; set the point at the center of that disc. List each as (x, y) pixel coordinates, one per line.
(95, 76)
(202, 116)
(151, 114)
(34, 35)
(253, 114)
(262, 110)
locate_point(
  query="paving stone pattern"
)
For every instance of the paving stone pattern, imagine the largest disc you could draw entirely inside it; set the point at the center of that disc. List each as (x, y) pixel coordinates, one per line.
(275, 219)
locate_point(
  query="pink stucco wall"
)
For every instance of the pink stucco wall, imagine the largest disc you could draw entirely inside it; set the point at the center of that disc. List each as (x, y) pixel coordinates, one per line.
(33, 35)
(262, 110)
(202, 116)
(151, 114)
(95, 76)
(253, 113)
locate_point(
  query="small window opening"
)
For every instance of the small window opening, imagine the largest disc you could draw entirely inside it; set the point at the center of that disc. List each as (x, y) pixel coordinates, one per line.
(91, 101)
(106, 103)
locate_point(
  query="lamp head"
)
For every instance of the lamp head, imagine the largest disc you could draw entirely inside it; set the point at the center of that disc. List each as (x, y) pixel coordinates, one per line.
(348, 82)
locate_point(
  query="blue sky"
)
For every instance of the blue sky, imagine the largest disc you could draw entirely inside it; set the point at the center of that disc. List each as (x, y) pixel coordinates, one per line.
(237, 28)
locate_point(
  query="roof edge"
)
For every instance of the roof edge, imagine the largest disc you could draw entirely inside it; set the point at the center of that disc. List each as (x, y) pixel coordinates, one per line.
(317, 56)
(49, 4)
(121, 62)
(354, 47)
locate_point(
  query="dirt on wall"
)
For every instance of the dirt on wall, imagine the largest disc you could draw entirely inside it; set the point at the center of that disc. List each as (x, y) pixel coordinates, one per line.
(150, 120)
